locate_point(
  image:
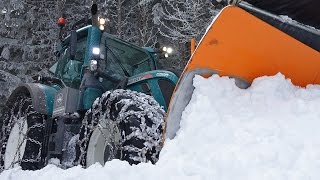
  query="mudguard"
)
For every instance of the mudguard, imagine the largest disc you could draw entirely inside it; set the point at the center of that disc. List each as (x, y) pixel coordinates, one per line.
(240, 45)
(42, 96)
(158, 83)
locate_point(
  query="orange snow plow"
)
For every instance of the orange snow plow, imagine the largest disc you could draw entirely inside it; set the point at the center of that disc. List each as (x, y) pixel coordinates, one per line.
(241, 45)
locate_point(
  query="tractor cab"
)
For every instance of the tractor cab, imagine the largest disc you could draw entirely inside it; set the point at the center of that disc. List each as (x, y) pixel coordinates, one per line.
(113, 57)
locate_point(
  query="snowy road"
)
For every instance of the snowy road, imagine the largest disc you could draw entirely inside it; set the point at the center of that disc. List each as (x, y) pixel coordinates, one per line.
(269, 131)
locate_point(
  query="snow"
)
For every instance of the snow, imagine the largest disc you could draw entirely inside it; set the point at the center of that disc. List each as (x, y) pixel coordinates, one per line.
(268, 131)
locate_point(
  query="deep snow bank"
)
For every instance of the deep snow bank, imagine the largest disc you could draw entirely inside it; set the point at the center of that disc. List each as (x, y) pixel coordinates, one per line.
(269, 131)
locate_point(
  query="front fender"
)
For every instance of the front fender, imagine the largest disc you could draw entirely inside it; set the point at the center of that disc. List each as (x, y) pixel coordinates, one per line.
(42, 96)
(157, 83)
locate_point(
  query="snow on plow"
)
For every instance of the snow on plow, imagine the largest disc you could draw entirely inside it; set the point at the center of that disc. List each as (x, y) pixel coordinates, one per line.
(243, 47)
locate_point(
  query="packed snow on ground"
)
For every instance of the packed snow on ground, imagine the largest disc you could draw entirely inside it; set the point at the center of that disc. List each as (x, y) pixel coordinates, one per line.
(269, 131)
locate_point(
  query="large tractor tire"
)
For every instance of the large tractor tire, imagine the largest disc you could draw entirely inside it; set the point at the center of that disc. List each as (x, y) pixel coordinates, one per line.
(21, 136)
(123, 125)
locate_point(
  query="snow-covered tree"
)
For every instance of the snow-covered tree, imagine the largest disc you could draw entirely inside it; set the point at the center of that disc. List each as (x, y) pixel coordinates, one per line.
(28, 32)
(146, 30)
(182, 20)
(131, 20)
(178, 22)
(118, 13)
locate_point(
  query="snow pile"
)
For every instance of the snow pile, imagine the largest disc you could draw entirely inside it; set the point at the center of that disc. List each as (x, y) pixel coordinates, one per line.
(269, 131)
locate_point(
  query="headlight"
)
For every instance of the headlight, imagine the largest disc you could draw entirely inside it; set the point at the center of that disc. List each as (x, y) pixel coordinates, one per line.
(167, 51)
(93, 65)
(102, 21)
(96, 51)
(164, 49)
(101, 27)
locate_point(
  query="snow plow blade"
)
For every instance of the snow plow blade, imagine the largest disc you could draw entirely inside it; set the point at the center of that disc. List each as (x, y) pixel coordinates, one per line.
(240, 45)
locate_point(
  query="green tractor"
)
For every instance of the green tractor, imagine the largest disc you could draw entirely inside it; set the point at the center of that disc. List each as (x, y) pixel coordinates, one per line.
(106, 100)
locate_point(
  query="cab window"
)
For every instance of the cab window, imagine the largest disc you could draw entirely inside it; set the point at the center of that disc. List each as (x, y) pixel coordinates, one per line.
(133, 59)
(69, 70)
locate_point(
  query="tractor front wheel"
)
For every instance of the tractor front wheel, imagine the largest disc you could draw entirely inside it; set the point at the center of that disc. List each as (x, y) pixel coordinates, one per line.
(123, 125)
(21, 136)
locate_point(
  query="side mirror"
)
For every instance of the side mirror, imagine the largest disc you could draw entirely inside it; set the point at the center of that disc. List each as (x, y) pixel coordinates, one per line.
(73, 44)
(53, 68)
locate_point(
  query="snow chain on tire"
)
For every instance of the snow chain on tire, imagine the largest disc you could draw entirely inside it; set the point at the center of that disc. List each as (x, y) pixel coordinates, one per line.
(139, 118)
(21, 114)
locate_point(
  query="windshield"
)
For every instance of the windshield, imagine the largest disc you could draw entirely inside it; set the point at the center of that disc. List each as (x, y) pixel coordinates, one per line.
(70, 70)
(126, 57)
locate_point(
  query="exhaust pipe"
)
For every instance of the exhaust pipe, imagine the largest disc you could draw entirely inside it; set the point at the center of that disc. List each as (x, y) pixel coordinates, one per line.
(94, 14)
